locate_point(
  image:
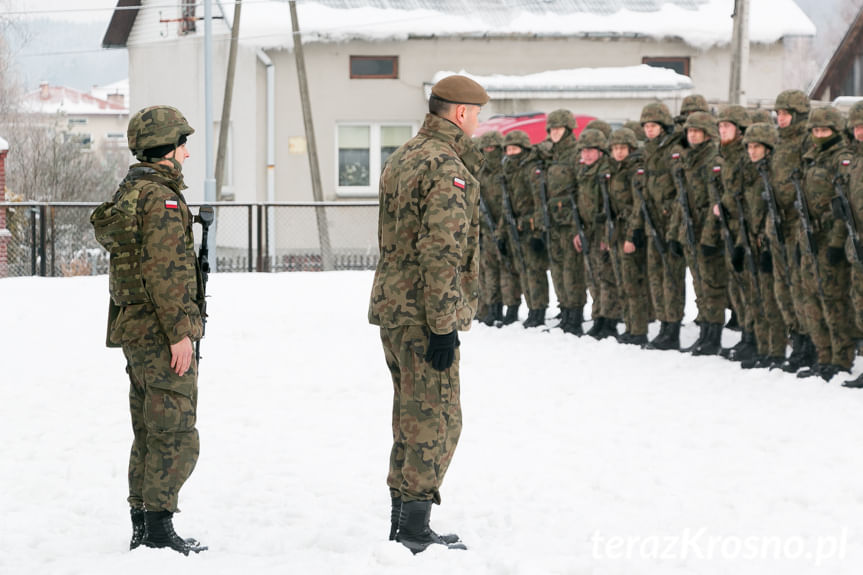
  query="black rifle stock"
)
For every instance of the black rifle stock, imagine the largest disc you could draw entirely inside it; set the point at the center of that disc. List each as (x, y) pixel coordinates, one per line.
(691, 243)
(609, 228)
(658, 243)
(543, 199)
(806, 226)
(747, 251)
(585, 242)
(205, 217)
(847, 216)
(513, 228)
(773, 212)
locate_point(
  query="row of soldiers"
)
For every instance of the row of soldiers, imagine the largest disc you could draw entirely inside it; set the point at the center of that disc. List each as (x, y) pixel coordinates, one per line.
(763, 213)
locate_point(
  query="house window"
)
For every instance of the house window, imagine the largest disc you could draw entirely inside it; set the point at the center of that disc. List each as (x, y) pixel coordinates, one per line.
(374, 67)
(362, 151)
(678, 64)
(84, 141)
(116, 139)
(187, 17)
(74, 122)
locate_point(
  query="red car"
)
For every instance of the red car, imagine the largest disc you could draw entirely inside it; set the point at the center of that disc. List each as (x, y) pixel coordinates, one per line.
(533, 124)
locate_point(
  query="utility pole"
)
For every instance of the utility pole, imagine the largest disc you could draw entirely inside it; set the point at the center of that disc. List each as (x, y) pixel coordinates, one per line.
(739, 53)
(226, 102)
(209, 181)
(311, 145)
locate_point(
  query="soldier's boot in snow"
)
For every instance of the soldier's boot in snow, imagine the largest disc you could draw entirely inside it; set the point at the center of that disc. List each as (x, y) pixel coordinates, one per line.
(660, 337)
(712, 342)
(639, 340)
(794, 361)
(495, 313)
(746, 349)
(159, 533)
(563, 316)
(671, 339)
(733, 324)
(856, 383)
(414, 531)
(395, 512)
(596, 328)
(609, 328)
(702, 333)
(825, 371)
(574, 321)
(511, 315)
(535, 318)
(137, 527)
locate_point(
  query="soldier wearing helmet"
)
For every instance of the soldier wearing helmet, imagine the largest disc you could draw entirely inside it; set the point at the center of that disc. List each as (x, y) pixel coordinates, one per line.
(567, 266)
(624, 162)
(826, 306)
(499, 283)
(665, 272)
(523, 171)
(691, 104)
(792, 110)
(855, 199)
(855, 128)
(156, 318)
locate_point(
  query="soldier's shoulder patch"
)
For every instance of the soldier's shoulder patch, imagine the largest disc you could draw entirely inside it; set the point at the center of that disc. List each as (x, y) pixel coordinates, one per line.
(846, 162)
(171, 204)
(717, 169)
(458, 182)
(675, 156)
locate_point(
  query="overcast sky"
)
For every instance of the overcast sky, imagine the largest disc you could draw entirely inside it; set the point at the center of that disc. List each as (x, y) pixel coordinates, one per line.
(77, 10)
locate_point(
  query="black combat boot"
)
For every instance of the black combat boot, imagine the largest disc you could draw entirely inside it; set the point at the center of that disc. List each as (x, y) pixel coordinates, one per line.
(671, 339)
(563, 316)
(596, 328)
(660, 338)
(753, 362)
(609, 328)
(712, 342)
(745, 349)
(414, 531)
(825, 371)
(511, 315)
(495, 314)
(793, 362)
(535, 318)
(159, 532)
(702, 333)
(733, 324)
(137, 528)
(574, 321)
(639, 340)
(856, 383)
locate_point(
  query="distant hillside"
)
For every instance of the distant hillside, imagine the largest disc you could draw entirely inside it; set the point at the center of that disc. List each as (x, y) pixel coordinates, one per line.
(831, 19)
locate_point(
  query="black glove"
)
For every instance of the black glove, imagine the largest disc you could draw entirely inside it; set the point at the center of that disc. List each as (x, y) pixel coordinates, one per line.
(835, 256)
(737, 258)
(675, 248)
(441, 350)
(537, 245)
(709, 251)
(639, 240)
(766, 262)
(501, 245)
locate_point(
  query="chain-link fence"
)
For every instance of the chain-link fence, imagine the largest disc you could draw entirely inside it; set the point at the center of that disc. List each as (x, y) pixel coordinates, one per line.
(56, 239)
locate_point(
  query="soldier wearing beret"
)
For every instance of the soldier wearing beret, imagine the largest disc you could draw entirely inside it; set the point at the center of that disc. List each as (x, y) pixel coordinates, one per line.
(425, 290)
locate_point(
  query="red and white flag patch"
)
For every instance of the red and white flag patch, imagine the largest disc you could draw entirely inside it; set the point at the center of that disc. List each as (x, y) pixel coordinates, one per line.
(675, 156)
(458, 182)
(171, 204)
(846, 162)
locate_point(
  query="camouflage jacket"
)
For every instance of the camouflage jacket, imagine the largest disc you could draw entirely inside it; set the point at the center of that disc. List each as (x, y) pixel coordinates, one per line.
(659, 191)
(589, 200)
(621, 191)
(702, 170)
(793, 142)
(491, 188)
(522, 183)
(168, 262)
(428, 232)
(753, 202)
(823, 163)
(560, 175)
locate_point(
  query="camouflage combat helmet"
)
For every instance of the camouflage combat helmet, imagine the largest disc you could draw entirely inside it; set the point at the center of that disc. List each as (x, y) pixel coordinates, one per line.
(560, 119)
(600, 125)
(656, 112)
(735, 114)
(792, 101)
(517, 138)
(693, 103)
(636, 128)
(623, 137)
(761, 133)
(592, 138)
(491, 138)
(156, 126)
(760, 116)
(826, 117)
(702, 121)
(855, 114)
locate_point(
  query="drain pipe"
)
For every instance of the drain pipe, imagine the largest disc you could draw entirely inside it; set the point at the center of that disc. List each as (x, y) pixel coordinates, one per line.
(271, 153)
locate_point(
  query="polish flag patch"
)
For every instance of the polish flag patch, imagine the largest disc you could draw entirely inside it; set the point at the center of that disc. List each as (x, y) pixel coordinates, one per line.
(458, 182)
(640, 171)
(171, 204)
(716, 169)
(675, 156)
(846, 162)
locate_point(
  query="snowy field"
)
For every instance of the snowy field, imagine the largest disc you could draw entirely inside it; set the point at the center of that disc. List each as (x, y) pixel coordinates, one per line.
(577, 456)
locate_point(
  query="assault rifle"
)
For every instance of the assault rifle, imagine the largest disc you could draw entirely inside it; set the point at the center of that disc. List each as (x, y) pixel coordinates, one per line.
(205, 217)
(651, 227)
(543, 199)
(683, 200)
(513, 228)
(609, 228)
(483, 208)
(842, 208)
(806, 226)
(585, 242)
(747, 251)
(716, 197)
(773, 212)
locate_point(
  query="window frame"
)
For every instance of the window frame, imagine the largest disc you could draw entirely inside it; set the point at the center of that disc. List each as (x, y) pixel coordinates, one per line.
(375, 164)
(393, 76)
(657, 61)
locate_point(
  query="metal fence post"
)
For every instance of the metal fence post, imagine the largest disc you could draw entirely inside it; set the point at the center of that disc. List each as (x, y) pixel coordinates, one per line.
(42, 220)
(33, 241)
(250, 264)
(260, 264)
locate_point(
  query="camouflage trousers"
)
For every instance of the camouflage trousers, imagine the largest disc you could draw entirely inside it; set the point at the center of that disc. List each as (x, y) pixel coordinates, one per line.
(567, 269)
(667, 287)
(857, 295)
(426, 419)
(166, 445)
(498, 282)
(635, 291)
(711, 293)
(604, 291)
(787, 281)
(534, 284)
(828, 322)
(771, 336)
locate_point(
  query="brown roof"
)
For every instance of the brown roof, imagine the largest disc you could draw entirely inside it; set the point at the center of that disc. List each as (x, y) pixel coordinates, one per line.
(121, 24)
(840, 65)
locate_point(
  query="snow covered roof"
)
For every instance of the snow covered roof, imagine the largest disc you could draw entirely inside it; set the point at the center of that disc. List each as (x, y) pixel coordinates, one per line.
(614, 82)
(60, 99)
(119, 88)
(700, 23)
(4, 145)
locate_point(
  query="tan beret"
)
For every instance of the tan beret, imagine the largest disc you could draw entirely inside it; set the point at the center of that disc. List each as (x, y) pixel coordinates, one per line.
(460, 90)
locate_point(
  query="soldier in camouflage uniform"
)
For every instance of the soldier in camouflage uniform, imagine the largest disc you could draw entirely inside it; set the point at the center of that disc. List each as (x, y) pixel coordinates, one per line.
(523, 169)
(155, 316)
(567, 265)
(592, 178)
(701, 168)
(424, 292)
(666, 272)
(690, 104)
(499, 279)
(625, 164)
(855, 199)
(826, 305)
(792, 111)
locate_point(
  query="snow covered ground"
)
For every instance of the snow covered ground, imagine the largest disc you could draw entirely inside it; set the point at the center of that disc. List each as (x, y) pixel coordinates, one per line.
(577, 456)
